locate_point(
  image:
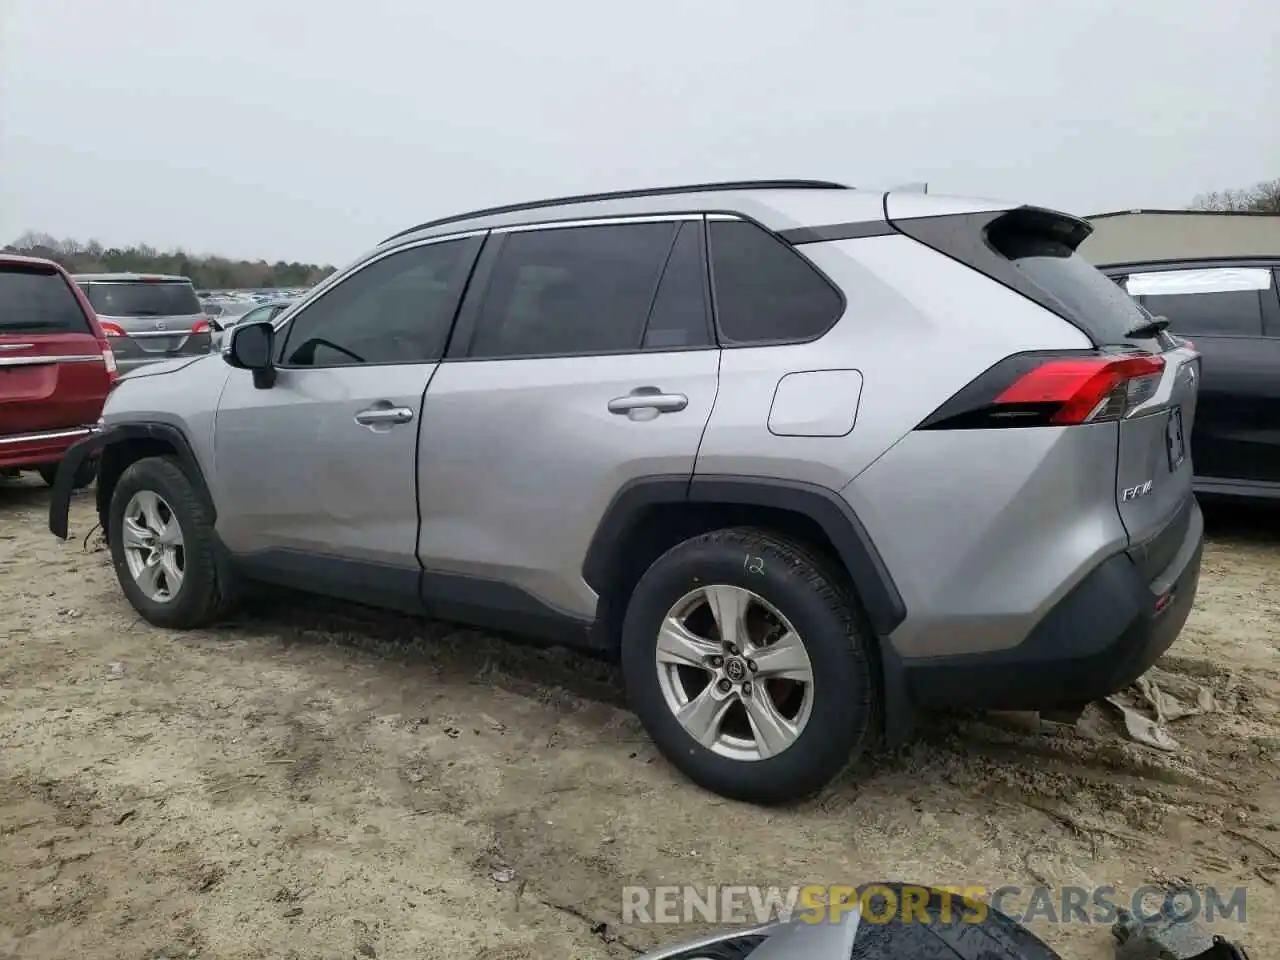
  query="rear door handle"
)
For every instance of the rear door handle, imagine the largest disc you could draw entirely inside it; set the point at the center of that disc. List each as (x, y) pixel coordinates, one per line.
(383, 416)
(648, 398)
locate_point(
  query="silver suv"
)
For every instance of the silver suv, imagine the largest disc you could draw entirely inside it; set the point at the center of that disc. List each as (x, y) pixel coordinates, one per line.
(806, 459)
(148, 317)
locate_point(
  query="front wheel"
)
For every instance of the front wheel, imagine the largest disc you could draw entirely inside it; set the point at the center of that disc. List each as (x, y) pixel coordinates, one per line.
(162, 546)
(745, 657)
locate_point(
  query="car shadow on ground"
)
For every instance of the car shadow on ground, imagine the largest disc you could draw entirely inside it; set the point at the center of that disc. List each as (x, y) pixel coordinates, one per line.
(22, 492)
(1240, 521)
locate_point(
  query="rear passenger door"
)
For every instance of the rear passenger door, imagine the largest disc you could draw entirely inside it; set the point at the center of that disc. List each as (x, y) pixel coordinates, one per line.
(582, 359)
(1233, 316)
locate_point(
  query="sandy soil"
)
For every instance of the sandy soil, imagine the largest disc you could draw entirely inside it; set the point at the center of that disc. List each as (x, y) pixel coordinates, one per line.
(316, 781)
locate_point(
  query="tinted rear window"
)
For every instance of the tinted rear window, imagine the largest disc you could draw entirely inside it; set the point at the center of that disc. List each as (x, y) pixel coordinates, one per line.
(32, 301)
(1032, 251)
(1090, 300)
(143, 299)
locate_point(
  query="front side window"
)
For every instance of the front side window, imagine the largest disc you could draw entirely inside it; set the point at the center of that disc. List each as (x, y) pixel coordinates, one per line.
(765, 292)
(398, 309)
(571, 290)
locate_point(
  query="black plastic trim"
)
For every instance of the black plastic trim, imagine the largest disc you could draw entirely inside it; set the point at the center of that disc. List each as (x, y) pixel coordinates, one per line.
(474, 601)
(621, 518)
(730, 185)
(879, 594)
(64, 481)
(838, 231)
(1099, 638)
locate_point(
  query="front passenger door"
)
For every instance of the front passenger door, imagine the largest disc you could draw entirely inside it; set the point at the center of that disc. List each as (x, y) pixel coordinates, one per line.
(315, 476)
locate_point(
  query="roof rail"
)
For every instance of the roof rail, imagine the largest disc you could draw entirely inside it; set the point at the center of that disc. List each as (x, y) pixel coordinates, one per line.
(628, 195)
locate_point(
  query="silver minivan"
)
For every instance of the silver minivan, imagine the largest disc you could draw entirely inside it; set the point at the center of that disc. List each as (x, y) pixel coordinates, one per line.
(148, 317)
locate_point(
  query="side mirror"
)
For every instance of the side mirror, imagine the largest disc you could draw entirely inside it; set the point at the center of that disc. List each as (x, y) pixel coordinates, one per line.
(251, 347)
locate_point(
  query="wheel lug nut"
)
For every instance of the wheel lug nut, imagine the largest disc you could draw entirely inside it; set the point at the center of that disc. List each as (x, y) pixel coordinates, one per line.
(725, 686)
(717, 661)
(732, 648)
(752, 666)
(746, 688)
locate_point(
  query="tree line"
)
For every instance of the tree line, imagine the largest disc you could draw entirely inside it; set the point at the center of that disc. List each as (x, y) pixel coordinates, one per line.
(1260, 198)
(206, 272)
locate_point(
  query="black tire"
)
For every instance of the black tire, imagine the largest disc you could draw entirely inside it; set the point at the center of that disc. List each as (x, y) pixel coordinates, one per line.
(815, 598)
(202, 598)
(86, 473)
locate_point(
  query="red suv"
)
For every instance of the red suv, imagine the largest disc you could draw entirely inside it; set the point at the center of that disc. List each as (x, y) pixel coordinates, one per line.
(56, 368)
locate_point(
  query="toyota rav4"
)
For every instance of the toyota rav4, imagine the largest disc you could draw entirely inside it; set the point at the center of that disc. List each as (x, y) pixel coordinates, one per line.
(807, 459)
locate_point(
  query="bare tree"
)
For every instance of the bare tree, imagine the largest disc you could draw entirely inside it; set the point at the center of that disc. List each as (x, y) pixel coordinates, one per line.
(1262, 197)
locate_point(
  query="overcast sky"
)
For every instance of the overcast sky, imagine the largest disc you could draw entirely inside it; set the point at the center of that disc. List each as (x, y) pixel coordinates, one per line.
(311, 130)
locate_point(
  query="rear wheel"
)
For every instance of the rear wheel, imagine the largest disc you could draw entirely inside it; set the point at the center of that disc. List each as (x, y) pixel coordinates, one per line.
(85, 474)
(746, 660)
(162, 546)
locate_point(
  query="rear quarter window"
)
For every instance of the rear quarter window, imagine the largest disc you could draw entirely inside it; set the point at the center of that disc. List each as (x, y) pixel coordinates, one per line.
(765, 292)
(33, 300)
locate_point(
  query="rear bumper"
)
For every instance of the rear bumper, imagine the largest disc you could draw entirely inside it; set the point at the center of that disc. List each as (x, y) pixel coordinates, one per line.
(60, 498)
(1097, 640)
(130, 355)
(27, 450)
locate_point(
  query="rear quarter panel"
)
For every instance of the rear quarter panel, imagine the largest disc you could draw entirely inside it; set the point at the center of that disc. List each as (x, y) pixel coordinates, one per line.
(917, 327)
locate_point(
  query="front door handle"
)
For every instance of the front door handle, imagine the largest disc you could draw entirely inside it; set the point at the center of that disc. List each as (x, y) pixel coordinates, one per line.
(379, 415)
(644, 399)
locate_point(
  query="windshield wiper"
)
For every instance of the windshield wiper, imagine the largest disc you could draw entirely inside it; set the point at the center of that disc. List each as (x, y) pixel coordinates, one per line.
(1149, 328)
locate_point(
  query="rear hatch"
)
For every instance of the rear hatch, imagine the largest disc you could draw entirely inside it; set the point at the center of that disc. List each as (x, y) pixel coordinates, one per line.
(157, 313)
(52, 371)
(1142, 376)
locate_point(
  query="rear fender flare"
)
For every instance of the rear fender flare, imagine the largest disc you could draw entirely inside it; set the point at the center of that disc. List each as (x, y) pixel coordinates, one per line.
(871, 579)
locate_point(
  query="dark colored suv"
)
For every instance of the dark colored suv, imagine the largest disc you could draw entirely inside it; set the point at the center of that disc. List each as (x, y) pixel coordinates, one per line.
(56, 368)
(1230, 308)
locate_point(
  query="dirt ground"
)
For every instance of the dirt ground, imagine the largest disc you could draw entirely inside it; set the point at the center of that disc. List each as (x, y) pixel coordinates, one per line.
(316, 781)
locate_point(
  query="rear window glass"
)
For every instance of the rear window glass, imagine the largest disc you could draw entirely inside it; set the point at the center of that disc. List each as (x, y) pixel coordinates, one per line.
(1096, 304)
(143, 299)
(38, 302)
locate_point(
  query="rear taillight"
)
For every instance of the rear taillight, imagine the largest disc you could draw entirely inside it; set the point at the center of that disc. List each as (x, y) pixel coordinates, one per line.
(1048, 390)
(200, 326)
(109, 359)
(112, 329)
